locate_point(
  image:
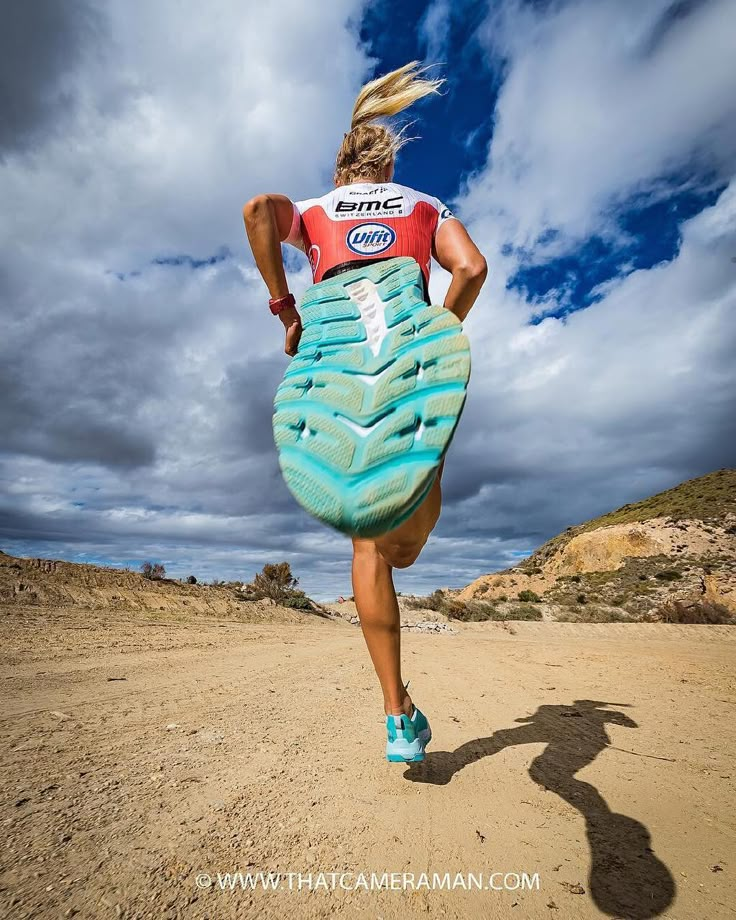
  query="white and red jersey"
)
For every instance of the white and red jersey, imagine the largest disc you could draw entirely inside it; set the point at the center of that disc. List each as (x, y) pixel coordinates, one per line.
(367, 220)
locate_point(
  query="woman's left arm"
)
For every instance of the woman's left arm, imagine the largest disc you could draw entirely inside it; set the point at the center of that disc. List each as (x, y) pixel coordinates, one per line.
(268, 220)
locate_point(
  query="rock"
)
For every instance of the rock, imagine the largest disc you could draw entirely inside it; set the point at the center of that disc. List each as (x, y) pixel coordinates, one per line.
(429, 626)
(717, 591)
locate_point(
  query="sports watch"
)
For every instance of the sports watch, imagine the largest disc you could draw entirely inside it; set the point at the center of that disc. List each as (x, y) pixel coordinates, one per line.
(278, 304)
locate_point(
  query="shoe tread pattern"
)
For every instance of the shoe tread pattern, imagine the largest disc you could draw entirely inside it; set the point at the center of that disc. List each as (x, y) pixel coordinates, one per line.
(361, 428)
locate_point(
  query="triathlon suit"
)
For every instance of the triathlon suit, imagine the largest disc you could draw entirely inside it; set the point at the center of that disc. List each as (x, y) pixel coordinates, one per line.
(366, 222)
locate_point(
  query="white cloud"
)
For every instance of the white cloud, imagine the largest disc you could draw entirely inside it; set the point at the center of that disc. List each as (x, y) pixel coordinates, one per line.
(637, 391)
(434, 29)
(600, 101)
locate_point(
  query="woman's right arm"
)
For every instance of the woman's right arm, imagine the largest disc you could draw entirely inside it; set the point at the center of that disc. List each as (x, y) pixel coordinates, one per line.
(459, 255)
(268, 219)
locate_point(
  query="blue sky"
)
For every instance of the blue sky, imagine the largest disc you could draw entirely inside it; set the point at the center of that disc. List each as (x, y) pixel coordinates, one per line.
(453, 140)
(588, 146)
(455, 145)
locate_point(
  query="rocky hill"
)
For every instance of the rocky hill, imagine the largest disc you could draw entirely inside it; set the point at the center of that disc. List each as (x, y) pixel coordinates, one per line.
(48, 583)
(654, 559)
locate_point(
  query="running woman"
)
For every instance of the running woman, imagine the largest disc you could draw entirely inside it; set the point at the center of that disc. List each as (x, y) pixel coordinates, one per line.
(377, 380)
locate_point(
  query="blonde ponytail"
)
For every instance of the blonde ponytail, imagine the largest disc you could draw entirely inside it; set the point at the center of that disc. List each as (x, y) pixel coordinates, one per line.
(368, 148)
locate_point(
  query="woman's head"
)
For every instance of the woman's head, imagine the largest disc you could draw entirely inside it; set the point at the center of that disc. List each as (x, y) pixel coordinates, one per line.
(369, 149)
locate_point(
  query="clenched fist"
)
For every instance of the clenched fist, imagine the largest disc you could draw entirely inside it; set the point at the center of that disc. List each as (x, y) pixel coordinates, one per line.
(293, 325)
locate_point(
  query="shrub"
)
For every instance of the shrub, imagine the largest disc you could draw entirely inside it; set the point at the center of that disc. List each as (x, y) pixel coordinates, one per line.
(502, 598)
(668, 575)
(581, 599)
(576, 579)
(472, 611)
(529, 596)
(593, 615)
(153, 571)
(298, 600)
(696, 612)
(191, 580)
(479, 611)
(435, 601)
(276, 582)
(456, 610)
(524, 612)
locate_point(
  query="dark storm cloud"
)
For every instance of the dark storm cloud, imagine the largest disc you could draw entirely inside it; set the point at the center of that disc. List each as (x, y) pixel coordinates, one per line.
(21, 525)
(41, 43)
(673, 17)
(247, 393)
(74, 381)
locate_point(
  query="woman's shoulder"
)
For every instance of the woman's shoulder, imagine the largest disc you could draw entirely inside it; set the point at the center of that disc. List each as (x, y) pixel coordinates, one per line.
(366, 196)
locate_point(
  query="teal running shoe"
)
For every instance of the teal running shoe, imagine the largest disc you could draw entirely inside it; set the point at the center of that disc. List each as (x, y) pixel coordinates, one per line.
(369, 404)
(407, 737)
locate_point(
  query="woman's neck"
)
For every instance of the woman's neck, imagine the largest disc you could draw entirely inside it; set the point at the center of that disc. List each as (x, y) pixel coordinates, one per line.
(364, 181)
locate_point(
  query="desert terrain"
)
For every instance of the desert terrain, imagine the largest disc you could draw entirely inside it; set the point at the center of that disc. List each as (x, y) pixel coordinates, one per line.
(144, 751)
(161, 736)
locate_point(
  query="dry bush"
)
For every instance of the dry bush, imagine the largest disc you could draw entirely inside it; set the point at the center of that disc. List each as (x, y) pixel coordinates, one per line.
(474, 611)
(523, 612)
(699, 611)
(529, 596)
(276, 582)
(478, 611)
(588, 614)
(436, 601)
(153, 571)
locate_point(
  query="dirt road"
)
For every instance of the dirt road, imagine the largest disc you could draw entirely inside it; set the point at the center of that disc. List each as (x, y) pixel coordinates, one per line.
(139, 756)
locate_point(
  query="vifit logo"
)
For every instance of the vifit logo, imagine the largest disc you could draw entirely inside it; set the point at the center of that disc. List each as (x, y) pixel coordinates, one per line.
(370, 239)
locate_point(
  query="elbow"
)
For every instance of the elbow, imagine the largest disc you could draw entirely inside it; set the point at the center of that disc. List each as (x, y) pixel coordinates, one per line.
(475, 270)
(254, 209)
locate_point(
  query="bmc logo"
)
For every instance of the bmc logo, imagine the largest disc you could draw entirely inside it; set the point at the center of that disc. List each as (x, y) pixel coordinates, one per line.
(370, 239)
(358, 207)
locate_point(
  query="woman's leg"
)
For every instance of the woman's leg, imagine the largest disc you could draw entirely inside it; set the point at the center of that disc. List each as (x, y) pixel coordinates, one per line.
(378, 610)
(402, 546)
(375, 597)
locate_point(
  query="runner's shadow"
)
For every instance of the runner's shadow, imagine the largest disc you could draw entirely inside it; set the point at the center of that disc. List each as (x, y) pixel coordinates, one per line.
(626, 878)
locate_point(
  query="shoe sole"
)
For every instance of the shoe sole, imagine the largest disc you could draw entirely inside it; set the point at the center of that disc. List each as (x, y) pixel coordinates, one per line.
(370, 403)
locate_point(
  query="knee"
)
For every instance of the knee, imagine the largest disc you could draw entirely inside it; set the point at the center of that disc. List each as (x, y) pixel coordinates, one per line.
(398, 555)
(401, 555)
(365, 552)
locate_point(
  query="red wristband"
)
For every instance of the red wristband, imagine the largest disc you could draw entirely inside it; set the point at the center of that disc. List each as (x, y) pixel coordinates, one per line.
(277, 304)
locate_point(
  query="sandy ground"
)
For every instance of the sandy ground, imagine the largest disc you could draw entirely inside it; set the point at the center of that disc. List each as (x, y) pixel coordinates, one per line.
(139, 754)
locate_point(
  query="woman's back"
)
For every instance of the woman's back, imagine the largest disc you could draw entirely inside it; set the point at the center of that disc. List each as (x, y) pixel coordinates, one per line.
(365, 221)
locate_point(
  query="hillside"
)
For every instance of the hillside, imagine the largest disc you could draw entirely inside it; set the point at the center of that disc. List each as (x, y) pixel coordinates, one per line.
(648, 560)
(48, 583)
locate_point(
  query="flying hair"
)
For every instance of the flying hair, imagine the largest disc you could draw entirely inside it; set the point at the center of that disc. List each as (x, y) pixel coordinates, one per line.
(370, 147)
